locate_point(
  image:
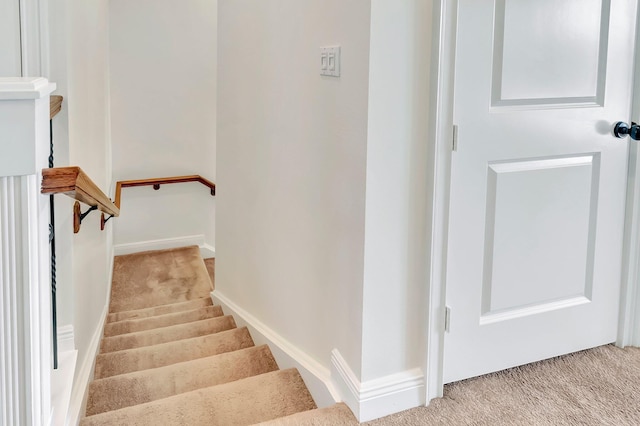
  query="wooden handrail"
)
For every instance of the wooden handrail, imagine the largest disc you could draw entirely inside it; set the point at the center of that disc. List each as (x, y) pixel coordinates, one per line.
(72, 181)
(55, 105)
(156, 182)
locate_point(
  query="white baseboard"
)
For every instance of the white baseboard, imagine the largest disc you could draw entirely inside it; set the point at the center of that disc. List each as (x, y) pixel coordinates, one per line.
(380, 397)
(287, 355)
(85, 373)
(207, 251)
(62, 382)
(167, 243)
(66, 339)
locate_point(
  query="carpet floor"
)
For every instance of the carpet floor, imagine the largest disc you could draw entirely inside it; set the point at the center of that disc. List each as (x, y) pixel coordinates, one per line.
(600, 386)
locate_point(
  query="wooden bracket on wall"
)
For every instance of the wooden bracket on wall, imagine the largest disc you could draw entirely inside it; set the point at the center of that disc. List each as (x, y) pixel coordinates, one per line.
(72, 181)
(78, 216)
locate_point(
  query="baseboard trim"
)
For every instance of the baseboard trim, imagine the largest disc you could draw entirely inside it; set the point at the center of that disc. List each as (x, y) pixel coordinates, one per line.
(62, 378)
(167, 243)
(62, 385)
(207, 251)
(287, 355)
(85, 373)
(66, 339)
(380, 397)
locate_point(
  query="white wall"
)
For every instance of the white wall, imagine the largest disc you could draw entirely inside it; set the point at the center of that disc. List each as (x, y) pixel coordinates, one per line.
(79, 65)
(163, 114)
(89, 147)
(59, 54)
(322, 215)
(10, 38)
(291, 169)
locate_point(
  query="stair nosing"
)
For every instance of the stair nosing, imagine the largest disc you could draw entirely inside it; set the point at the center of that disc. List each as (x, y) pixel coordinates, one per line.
(150, 308)
(162, 315)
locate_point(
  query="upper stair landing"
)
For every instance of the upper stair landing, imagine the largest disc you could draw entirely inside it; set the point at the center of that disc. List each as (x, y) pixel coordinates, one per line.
(156, 278)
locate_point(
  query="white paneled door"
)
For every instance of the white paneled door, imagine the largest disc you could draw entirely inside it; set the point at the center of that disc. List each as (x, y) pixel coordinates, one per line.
(538, 180)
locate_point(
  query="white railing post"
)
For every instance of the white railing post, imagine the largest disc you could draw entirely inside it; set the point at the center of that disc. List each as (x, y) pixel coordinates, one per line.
(25, 293)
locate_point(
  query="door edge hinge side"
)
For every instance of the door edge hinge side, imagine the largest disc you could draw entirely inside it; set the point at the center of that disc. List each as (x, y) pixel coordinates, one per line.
(447, 318)
(454, 142)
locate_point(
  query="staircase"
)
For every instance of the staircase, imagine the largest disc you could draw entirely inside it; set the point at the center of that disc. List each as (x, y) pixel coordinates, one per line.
(170, 357)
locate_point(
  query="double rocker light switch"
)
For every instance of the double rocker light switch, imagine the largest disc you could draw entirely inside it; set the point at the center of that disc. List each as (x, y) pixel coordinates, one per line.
(330, 61)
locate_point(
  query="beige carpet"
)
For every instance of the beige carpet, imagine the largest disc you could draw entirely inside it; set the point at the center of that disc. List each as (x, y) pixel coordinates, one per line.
(211, 269)
(170, 357)
(157, 278)
(600, 386)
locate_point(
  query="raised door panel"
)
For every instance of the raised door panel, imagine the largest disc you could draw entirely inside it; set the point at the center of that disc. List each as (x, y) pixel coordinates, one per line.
(539, 235)
(537, 59)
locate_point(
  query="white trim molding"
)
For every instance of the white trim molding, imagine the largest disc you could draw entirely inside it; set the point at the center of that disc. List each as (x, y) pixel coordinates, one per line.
(66, 338)
(62, 378)
(380, 397)
(443, 65)
(206, 250)
(79, 389)
(34, 37)
(629, 326)
(85, 373)
(287, 355)
(629, 334)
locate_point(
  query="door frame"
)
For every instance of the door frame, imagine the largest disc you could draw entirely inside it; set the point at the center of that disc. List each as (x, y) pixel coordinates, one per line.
(440, 155)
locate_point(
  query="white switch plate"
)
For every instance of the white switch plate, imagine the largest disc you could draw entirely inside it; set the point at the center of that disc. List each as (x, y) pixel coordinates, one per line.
(330, 61)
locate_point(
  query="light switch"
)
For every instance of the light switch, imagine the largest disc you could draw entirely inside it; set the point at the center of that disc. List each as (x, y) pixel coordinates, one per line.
(330, 61)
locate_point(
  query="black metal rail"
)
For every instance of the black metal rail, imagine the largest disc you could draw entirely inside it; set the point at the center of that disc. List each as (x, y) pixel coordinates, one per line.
(52, 242)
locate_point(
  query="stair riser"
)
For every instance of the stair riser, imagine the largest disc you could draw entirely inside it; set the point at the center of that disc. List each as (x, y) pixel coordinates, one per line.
(121, 362)
(131, 326)
(166, 334)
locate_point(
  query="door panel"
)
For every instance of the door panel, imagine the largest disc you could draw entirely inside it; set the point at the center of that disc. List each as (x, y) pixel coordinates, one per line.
(539, 234)
(536, 57)
(538, 181)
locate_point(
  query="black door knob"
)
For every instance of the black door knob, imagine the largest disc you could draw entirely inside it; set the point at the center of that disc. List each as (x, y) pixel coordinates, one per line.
(622, 129)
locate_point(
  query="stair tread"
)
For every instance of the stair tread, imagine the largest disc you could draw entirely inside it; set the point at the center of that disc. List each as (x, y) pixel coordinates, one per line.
(335, 415)
(140, 387)
(243, 402)
(167, 334)
(159, 310)
(129, 360)
(133, 325)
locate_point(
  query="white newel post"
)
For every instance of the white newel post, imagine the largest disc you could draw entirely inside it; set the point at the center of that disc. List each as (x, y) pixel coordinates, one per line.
(25, 290)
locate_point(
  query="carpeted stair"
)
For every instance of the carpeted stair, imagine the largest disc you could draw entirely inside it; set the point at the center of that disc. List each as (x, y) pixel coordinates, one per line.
(170, 357)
